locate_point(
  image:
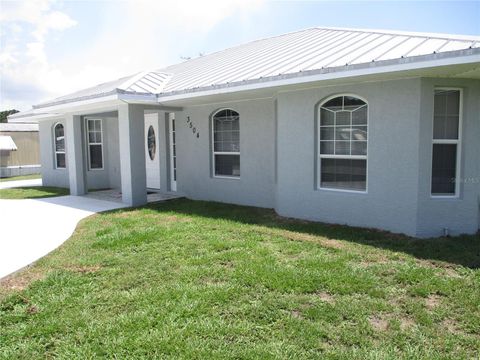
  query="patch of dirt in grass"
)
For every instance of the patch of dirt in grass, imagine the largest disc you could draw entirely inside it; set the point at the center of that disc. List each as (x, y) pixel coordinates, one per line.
(84, 269)
(227, 264)
(447, 269)
(451, 272)
(451, 326)
(378, 323)
(432, 301)
(296, 314)
(328, 243)
(20, 281)
(406, 323)
(32, 309)
(324, 296)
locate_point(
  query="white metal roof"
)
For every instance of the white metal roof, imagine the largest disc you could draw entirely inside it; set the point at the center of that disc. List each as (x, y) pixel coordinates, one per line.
(315, 49)
(7, 143)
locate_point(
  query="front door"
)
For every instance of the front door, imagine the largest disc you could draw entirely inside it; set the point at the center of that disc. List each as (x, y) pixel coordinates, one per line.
(152, 158)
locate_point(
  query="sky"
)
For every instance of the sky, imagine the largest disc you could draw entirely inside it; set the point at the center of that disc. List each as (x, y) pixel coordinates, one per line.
(50, 48)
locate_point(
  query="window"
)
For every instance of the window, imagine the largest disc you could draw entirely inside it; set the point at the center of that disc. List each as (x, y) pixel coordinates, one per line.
(226, 143)
(95, 146)
(446, 142)
(59, 138)
(343, 129)
(151, 143)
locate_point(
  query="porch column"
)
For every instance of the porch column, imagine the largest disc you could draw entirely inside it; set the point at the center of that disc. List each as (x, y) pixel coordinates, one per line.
(74, 149)
(132, 154)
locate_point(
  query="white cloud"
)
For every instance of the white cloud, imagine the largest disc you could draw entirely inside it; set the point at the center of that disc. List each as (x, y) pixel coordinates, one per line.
(134, 36)
(23, 59)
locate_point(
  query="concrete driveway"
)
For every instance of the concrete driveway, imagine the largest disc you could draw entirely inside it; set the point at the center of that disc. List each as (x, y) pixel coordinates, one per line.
(19, 183)
(30, 229)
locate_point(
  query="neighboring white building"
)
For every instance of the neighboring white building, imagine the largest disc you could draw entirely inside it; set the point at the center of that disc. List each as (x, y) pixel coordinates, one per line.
(361, 127)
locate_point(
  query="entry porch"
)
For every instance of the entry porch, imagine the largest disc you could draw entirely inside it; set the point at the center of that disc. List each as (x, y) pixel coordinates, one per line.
(126, 154)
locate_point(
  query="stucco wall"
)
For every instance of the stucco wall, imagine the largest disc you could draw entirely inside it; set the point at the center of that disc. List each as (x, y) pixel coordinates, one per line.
(279, 166)
(108, 177)
(458, 215)
(392, 165)
(50, 175)
(257, 143)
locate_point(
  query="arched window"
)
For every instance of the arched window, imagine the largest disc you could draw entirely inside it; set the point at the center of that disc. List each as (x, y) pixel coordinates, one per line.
(343, 129)
(226, 143)
(59, 139)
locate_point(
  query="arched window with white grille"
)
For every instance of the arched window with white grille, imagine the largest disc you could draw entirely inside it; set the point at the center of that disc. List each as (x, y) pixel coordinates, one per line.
(59, 145)
(226, 143)
(342, 148)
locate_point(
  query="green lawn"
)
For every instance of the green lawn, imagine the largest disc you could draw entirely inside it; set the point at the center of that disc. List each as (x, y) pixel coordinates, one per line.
(32, 192)
(22, 177)
(189, 279)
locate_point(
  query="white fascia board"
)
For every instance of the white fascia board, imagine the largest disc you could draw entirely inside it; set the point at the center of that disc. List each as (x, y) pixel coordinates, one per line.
(67, 106)
(104, 101)
(91, 105)
(138, 99)
(41, 117)
(284, 80)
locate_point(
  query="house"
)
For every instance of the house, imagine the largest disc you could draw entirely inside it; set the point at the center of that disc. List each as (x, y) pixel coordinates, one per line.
(360, 127)
(19, 149)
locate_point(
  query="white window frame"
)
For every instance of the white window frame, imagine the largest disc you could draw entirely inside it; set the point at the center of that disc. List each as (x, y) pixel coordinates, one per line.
(457, 142)
(88, 143)
(321, 156)
(232, 177)
(55, 151)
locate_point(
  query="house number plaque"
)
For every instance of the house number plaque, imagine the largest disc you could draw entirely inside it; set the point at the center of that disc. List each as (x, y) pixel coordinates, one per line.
(192, 126)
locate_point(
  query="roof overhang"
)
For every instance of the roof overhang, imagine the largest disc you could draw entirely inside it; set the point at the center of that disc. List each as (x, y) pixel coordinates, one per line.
(92, 105)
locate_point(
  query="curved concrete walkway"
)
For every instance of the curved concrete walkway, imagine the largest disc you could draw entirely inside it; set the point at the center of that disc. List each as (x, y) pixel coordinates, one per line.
(30, 229)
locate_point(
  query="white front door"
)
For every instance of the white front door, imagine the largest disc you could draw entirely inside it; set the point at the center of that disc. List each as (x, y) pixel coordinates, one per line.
(152, 158)
(173, 153)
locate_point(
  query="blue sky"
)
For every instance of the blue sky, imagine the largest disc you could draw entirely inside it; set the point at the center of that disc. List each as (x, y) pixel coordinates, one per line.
(49, 48)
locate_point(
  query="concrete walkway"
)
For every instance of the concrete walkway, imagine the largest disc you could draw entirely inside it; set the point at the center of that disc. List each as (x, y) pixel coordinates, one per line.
(30, 229)
(20, 183)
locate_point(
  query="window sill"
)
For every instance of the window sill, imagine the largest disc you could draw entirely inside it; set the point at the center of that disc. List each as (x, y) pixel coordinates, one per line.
(362, 192)
(226, 177)
(445, 197)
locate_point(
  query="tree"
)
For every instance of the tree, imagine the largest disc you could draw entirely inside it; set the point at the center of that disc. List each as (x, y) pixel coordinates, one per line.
(4, 114)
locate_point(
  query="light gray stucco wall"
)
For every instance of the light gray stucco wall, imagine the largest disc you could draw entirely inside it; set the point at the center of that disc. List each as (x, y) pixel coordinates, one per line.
(279, 164)
(392, 166)
(108, 177)
(113, 152)
(257, 145)
(50, 175)
(459, 215)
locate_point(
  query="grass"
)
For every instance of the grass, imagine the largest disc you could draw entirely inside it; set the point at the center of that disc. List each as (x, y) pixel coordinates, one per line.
(32, 192)
(22, 177)
(189, 279)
